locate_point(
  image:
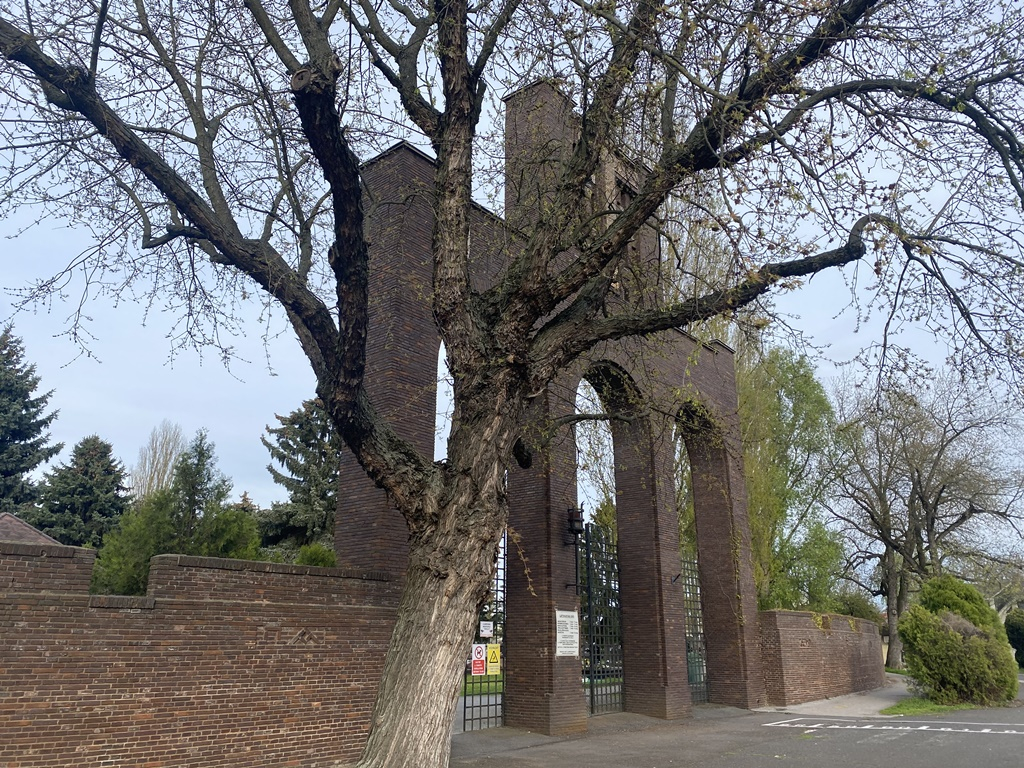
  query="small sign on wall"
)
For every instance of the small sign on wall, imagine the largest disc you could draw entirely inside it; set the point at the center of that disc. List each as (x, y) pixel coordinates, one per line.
(486, 629)
(493, 659)
(567, 633)
(478, 659)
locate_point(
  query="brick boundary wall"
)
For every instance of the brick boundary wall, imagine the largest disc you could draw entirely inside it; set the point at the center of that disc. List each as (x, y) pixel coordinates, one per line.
(222, 663)
(810, 656)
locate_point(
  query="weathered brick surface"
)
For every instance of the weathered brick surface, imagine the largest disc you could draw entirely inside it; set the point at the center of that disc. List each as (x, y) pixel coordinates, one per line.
(809, 656)
(402, 342)
(664, 374)
(223, 663)
(543, 691)
(45, 567)
(15, 529)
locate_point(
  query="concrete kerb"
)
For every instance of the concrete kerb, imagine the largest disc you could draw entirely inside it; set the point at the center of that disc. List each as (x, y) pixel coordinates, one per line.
(862, 704)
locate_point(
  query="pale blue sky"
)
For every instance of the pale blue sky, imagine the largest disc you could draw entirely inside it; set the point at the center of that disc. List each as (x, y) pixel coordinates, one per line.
(131, 382)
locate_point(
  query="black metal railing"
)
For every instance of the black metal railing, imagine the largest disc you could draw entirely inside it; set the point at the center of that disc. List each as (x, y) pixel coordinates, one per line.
(696, 646)
(600, 619)
(483, 696)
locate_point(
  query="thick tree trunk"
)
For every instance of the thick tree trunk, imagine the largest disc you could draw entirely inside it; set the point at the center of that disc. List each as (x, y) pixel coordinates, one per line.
(448, 578)
(897, 598)
(894, 655)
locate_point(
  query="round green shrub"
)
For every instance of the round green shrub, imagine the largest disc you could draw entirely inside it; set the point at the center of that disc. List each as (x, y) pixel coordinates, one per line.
(317, 554)
(953, 660)
(945, 593)
(1015, 633)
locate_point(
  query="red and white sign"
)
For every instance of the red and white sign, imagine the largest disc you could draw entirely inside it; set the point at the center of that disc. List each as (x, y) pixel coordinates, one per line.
(479, 660)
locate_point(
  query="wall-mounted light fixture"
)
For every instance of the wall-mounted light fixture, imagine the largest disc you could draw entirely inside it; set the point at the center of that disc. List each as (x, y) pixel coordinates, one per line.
(575, 524)
(574, 529)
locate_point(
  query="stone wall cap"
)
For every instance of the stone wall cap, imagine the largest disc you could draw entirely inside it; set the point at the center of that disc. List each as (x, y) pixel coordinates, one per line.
(45, 550)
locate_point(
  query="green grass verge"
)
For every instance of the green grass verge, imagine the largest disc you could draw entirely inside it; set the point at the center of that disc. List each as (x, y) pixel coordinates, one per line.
(896, 671)
(479, 685)
(916, 705)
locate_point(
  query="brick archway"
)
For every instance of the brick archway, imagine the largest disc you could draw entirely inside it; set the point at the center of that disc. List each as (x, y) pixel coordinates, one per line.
(667, 370)
(670, 373)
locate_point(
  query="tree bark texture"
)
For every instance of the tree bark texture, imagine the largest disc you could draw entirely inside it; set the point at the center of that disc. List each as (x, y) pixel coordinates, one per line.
(427, 654)
(452, 556)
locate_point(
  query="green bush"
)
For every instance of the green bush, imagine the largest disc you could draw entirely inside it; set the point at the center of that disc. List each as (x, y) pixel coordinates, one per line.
(856, 604)
(317, 554)
(945, 593)
(1015, 633)
(954, 657)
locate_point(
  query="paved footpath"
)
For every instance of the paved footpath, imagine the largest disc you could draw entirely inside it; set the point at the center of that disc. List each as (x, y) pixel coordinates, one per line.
(845, 732)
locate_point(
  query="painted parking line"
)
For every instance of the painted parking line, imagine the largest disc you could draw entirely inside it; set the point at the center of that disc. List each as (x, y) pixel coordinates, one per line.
(828, 723)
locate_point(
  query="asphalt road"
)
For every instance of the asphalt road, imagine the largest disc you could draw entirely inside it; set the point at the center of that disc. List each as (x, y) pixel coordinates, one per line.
(722, 737)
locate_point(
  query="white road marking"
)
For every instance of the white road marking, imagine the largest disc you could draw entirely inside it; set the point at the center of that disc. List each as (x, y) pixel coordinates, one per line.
(807, 723)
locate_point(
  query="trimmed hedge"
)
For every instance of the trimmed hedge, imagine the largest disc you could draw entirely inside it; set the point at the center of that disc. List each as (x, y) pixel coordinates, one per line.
(951, 656)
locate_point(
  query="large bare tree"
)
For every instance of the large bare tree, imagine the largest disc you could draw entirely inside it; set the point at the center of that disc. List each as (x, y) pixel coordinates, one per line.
(212, 148)
(926, 477)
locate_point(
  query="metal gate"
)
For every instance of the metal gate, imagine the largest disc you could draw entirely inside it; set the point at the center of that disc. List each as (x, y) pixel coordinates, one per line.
(483, 696)
(597, 578)
(696, 647)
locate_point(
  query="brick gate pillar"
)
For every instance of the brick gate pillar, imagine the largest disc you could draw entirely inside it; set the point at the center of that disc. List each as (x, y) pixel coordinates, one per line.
(728, 595)
(543, 692)
(401, 354)
(653, 618)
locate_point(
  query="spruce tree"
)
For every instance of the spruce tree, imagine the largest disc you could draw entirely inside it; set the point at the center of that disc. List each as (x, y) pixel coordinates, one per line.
(308, 450)
(199, 488)
(79, 502)
(24, 439)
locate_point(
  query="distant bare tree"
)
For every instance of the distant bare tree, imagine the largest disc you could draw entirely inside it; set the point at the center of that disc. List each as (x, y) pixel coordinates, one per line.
(154, 469)
(999, 576)
(926, 472)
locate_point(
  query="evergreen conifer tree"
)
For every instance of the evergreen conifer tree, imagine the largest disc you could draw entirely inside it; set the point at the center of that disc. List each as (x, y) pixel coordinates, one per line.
(191, 517)
(199, 488)
(79, 502)
(309, 454)
(24, 440)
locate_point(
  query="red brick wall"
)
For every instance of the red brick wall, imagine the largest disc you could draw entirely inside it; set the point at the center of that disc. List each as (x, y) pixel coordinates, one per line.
(51, 567)
(808, 656)
(223, 663)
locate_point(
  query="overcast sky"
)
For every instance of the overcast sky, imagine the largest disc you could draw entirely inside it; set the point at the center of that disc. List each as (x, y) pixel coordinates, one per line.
(131, 383)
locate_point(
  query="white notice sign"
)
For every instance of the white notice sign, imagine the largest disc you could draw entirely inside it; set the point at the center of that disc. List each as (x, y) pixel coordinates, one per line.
(567, 631)
(486, 629)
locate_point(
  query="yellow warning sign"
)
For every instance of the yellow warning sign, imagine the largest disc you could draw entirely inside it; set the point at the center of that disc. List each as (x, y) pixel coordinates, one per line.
(493, 659)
